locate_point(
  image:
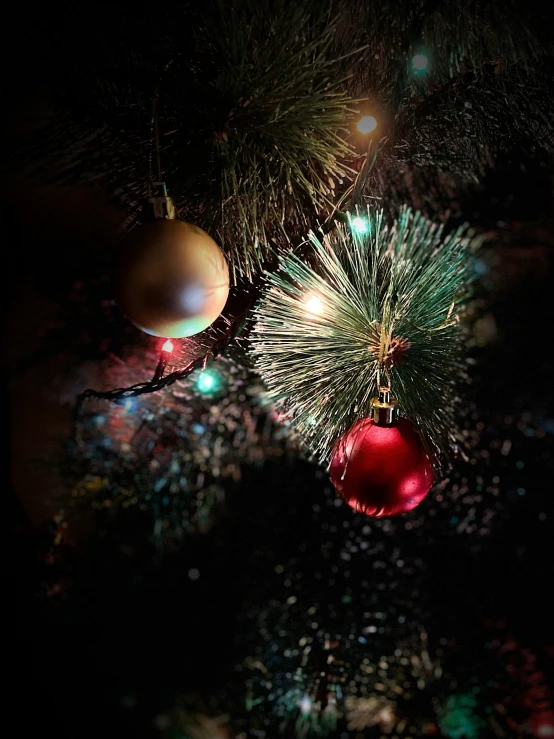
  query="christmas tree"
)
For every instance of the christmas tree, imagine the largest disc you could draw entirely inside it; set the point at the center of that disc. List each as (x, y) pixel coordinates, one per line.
(278, 370)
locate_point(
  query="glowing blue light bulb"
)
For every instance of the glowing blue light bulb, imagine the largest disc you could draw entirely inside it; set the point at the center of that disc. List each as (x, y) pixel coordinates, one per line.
(129, 404)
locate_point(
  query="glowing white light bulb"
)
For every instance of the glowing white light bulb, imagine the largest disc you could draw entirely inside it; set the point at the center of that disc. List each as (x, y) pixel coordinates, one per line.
(546, 730)
(314, 305)
(385, 714)
(168, 346)
(367, 124)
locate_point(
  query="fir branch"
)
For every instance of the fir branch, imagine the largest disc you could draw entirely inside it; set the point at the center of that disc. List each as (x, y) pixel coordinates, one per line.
(253, 125)
(256, 110)
(387, 305)
(273, 121)
(454, 34)
(472, 120)
(201, 440)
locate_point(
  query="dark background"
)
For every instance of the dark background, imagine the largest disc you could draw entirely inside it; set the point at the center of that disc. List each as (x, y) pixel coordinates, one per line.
(137, 625)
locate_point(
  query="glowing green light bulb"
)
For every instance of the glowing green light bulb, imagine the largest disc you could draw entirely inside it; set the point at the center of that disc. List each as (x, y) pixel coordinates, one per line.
(360, 225)
(420, 62)
(208, 381)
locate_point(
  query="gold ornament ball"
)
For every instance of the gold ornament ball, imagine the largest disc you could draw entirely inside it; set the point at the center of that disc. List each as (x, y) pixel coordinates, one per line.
(171, 279)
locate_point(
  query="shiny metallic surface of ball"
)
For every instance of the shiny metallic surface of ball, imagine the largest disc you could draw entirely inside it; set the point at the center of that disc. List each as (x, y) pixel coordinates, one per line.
(171, 278)
(381, 471)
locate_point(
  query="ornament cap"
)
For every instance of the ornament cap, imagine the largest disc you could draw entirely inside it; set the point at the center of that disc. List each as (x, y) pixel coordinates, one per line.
(159, 205)
(384, 408)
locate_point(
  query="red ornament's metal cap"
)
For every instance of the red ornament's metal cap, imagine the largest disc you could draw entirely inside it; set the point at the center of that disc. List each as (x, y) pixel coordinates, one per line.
(384, 408)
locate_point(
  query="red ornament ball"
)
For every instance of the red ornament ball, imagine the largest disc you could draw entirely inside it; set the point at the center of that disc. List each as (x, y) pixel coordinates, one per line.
(381, 470)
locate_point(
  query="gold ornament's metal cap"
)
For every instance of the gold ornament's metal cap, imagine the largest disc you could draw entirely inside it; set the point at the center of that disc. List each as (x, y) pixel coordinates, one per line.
(159, 207)
(384, 408)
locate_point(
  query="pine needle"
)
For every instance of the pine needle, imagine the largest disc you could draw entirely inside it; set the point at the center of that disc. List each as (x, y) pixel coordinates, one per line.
(378, 307)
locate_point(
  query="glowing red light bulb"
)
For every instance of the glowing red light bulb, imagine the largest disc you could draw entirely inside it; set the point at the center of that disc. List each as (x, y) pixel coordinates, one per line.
(167, 348)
